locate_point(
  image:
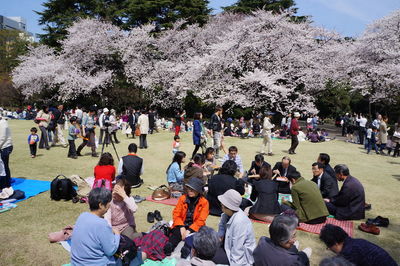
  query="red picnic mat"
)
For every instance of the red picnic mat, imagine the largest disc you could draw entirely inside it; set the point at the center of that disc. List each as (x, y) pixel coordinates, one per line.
(316, 228)
(170, 201)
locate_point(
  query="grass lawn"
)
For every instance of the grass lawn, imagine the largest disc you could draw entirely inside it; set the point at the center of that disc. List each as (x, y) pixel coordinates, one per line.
(23, 231)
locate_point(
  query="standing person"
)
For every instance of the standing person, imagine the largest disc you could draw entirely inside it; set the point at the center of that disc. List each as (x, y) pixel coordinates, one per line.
(44, 119)
(143, 123)
(178, 121)
(151, 121)
(114, 125)
(33, 139)
(288, 123)
(396, 138)
(88, 133)
(294, 132)
(371, 139)
(132, 121)
(79, 114)
(345, 123)
(383, 134)
(6, 147)
(59, 120)
(73, 132)
(266, 132)
(102, 121)
(197, 134)
(362, 128)
(216, 129)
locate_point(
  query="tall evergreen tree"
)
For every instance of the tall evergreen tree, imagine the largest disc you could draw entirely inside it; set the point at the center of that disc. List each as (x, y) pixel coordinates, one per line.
(58, 15)
(247, 6)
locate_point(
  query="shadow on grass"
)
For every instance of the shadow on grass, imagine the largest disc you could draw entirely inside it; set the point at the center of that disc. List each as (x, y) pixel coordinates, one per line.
(394, 162)
(397, 177)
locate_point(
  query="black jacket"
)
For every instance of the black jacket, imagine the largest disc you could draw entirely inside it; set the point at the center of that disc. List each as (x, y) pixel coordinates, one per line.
(256, 167)
(266, 193)
(350, 202)
(215, 123)
(218, 185)
(131, 169)
(328, 187)
(284, 187)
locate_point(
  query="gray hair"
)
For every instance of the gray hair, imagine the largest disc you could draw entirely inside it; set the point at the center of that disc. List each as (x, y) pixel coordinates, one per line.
(342, 169)
(97, 196)
(281, 228)
(206, 243)
(335, 261)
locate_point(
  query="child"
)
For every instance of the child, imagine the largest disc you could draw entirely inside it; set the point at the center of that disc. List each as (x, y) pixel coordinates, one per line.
(104, 172)
(73, 132)
(176, 144)
(33, 139)
(371, 139)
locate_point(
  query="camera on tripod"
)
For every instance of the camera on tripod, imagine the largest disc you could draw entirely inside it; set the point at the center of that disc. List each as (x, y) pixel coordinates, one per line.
(108, 126)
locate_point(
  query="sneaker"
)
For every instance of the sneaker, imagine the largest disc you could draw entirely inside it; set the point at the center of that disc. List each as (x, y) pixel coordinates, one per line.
(157, 215)
(378, 221)
(138, 199)
(369, 228)
(150, 217)
(308, 252)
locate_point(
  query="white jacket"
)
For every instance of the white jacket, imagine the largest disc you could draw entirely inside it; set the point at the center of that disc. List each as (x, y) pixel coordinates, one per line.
(5, 134)
(267, 126)
(143, 122)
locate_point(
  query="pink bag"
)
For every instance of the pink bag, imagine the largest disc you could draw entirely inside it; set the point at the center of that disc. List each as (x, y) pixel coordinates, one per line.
(62, 235)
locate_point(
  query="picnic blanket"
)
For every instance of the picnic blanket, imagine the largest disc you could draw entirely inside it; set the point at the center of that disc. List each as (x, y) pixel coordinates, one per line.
(170, 201)
(31, 187)
(347, 226)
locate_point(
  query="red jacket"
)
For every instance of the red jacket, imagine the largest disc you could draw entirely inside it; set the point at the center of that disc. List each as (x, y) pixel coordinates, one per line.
(199, 216)
(294, 127)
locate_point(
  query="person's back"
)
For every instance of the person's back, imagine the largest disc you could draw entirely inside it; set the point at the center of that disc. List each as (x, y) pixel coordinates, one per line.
(364, 253)
(266, 193)
(93, 242)
(132, 168)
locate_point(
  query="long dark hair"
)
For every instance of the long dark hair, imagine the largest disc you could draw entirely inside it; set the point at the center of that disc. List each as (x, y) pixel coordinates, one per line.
(106, 159)
(178, 157)
(265, 172)
(197, 159)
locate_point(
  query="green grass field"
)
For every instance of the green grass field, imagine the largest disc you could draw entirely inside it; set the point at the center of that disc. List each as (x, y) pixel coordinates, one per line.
(23, 231)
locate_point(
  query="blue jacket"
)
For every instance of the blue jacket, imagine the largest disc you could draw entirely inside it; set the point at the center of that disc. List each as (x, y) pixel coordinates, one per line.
(196, 132)
(174, 174)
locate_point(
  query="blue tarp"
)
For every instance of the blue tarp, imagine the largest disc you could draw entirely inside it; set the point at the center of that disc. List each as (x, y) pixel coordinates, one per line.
(31, 187)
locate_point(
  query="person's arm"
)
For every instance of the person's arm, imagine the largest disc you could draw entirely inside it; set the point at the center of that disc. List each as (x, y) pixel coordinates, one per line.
(142, 168)
(108, 240)
(222, 225)
(239, 237)
(130, 204)
(120, 167)
(342, 199)
(107, 216)
(177, 213)
(240, 164)
(201, 219)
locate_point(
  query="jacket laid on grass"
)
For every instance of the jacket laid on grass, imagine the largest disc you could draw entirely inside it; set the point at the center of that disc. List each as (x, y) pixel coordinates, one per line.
(200, 213)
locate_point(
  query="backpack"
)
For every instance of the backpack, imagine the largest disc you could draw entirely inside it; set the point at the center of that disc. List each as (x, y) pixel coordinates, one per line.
(62, 188)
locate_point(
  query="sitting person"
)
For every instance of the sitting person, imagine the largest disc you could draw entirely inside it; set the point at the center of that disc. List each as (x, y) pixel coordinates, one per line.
(324, 158)
(313, 136)
(205, 245)
(210, 162)
(325, 183)
(175, 172)
(236, 232)
(257, 164)
(195, 169)
(130, 167)
(122, 207)
(358, 251)
(282, 169)
(104, 172)
(280, 249)
(221, 183)
(234, 156)
(349, 204)
(307, 200)
(189, 214)
(94, 242)
(265, 191)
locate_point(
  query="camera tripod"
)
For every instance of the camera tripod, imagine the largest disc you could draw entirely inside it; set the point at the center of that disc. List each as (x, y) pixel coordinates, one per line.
(107, 140)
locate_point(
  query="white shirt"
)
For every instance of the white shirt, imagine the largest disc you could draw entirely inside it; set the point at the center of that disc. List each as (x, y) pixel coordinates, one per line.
(319, 180)
(363, 121)
(79, 113)
(5, 134)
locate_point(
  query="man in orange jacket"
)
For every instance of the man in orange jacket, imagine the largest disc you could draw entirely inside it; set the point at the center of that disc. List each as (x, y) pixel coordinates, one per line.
(189, 215)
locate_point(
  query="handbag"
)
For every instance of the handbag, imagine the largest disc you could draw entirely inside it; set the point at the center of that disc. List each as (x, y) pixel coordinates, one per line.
(137, 132)
(161, 193)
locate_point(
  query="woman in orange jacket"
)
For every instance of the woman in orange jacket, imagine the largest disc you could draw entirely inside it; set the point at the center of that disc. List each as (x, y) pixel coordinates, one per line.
(189, 215)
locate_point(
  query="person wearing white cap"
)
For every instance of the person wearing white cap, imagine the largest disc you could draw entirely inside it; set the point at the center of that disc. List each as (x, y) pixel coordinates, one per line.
(102, 121)
(294, 131)
(237, 231)
(6, 147)
(266, 132)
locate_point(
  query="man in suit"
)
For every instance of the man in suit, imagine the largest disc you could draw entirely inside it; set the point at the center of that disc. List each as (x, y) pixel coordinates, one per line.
(283, 169)
(349, 204)
(326, 185)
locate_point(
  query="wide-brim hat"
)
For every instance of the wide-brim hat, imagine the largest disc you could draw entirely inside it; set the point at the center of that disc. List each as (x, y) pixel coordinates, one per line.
(105, 110)
(296, 114)
(231, 199)
(195, 184)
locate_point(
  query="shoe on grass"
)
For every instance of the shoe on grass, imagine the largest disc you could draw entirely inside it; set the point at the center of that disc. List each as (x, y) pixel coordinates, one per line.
(157, 215)
(150, 217)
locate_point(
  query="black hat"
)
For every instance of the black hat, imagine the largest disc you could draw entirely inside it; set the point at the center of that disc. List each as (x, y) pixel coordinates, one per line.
(195, 184)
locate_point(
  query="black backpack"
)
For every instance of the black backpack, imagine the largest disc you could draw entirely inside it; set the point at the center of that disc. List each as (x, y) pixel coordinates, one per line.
(62, 188)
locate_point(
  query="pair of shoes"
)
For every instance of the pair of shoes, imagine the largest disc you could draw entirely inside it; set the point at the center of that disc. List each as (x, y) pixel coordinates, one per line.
(367, 206)
(369, 228)
(95, 155)
(138, 199)
(378, 221)
(270, 154)
(154, 215)
(47, 148)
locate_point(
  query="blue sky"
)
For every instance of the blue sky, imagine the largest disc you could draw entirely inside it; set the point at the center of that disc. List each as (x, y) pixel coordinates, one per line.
(348, 17)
